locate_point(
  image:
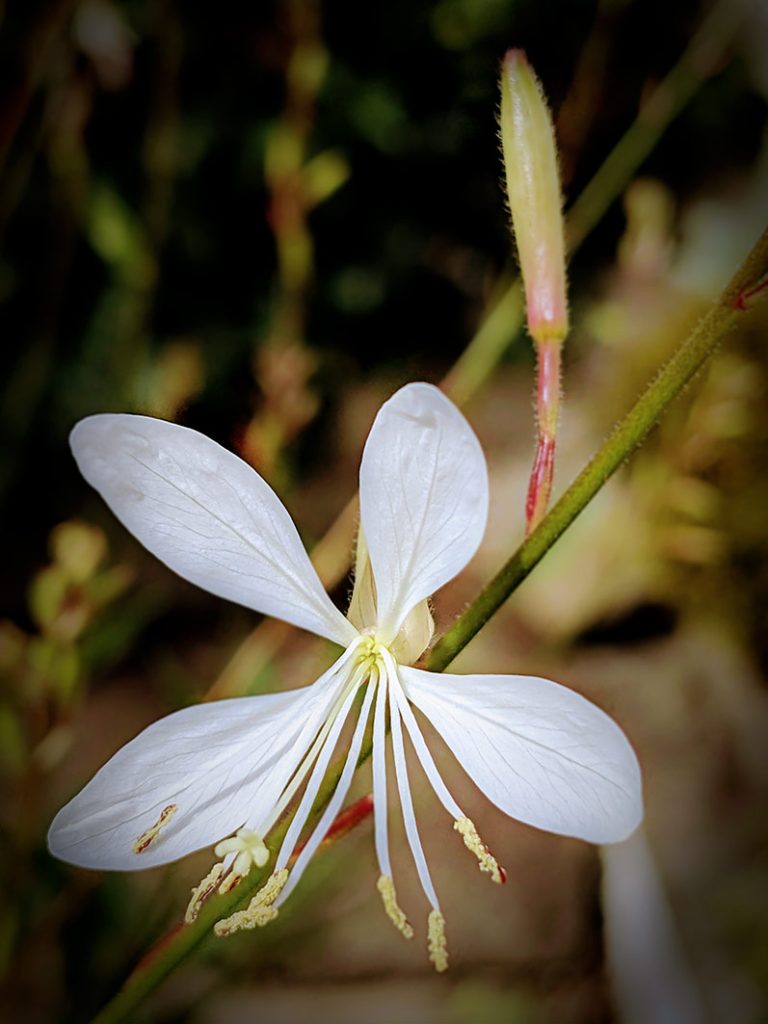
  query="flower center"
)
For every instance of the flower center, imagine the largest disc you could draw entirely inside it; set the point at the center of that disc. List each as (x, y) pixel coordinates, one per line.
(369, 658)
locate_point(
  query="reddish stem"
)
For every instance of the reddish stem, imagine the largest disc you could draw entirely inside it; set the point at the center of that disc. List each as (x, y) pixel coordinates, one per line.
(743, 299)
(343, 823)
(547, 415)
(540, 483)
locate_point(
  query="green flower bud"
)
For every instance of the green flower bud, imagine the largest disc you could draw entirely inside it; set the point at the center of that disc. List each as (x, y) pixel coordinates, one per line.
(533, 190)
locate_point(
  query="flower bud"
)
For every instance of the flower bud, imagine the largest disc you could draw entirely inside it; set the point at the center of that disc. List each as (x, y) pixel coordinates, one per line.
(533, 190)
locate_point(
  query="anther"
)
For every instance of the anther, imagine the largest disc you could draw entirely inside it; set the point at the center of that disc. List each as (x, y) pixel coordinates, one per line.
(386, 888)
(259, 911)
(486, 861)
(202, 891)
(438, 950)
(146, 839)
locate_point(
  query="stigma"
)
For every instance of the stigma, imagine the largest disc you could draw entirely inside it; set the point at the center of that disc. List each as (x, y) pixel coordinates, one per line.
(241, 852)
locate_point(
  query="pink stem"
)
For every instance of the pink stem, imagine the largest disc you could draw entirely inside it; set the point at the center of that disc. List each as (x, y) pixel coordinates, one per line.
(547, 414)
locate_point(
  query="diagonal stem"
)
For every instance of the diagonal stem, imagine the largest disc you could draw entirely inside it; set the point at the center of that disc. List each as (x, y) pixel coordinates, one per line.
(741, 293)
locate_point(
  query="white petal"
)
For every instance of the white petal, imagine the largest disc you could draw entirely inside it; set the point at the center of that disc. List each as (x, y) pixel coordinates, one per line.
(207, 515)
(539, 751)
(423, 498)
(219, 763)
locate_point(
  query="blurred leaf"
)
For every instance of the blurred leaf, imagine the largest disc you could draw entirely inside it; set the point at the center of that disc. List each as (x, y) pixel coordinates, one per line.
(460, 24)
(56, 667)
(324, 175)
(78, 548)
(475, 1002)
(117, 236)
(13, 646)
(176, 377)
(13, 748)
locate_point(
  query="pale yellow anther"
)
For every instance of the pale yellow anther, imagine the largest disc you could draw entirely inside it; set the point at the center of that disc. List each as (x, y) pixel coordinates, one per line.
(245, 920)
(386, 888)
(487, 862)
(202, 891)
(438, 950)
(259, 911)
(146, 839)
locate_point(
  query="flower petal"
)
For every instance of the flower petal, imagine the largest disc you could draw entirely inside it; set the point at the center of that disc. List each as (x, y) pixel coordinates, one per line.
(219, 764)
(423, 498)
(207, 515)
(539, 751)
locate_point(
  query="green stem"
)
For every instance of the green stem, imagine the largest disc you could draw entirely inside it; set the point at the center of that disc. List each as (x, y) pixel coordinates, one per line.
(627, 435)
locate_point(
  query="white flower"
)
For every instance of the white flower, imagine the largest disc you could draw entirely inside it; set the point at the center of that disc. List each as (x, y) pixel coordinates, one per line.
(539, 751)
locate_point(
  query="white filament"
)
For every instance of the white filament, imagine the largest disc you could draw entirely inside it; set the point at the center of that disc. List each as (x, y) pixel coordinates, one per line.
(263, 827)
(406, 803)
(426, 759)
(315, 780)
(380, 777)
(334, 804)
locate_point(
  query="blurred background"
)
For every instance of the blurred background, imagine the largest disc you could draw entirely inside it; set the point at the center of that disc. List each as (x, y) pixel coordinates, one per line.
(259, 223)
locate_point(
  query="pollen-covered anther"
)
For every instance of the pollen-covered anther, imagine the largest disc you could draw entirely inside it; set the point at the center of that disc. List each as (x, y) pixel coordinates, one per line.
(386, 888)
(259, 911)
(202, 891)
(486, 861)
(438, 949)
(146, 839)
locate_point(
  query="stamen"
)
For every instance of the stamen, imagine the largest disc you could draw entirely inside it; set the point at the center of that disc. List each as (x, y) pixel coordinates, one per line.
(386, 888)
(202, 891)
(380, 775)
(313, 785)
(438, 949)
(406, 801)
(146, 839)
(309, 759)
(334, 804)
(474, 844)
(259, 911)
(422, 751)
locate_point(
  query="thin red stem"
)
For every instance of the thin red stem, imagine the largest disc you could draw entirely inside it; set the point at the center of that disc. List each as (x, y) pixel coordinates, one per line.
(547, 415)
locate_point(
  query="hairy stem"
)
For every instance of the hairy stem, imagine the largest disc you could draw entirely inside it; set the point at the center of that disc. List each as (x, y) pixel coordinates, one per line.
(741, 292)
